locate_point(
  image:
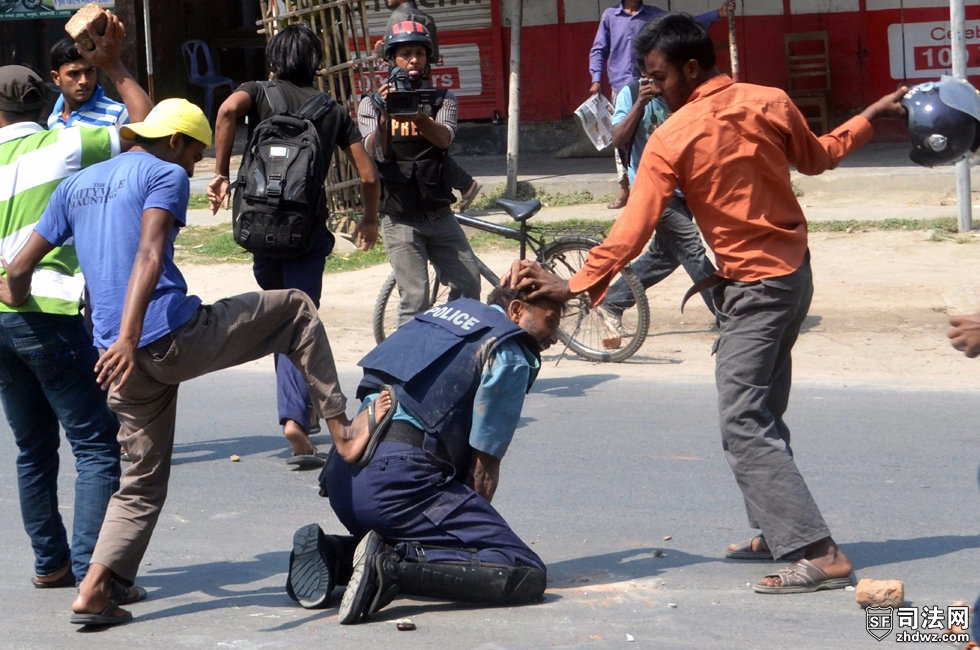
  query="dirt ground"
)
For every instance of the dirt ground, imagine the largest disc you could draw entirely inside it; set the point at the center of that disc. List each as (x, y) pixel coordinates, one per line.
(878, 315)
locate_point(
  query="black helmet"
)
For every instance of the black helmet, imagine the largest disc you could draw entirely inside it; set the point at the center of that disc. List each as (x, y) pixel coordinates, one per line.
(406, 31)
(944, 121)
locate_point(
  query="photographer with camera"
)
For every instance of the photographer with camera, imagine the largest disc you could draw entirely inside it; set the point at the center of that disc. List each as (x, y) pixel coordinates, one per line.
(408, 126)
(402, 10)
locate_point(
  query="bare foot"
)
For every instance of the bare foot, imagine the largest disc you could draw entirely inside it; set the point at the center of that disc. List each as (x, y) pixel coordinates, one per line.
(620, 201)
(95, 594)
(826, 555)
(350, 438)
(954, 628)
(297, 438)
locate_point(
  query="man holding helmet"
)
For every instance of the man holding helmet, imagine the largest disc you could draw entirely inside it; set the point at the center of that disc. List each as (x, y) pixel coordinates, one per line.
(410, 150)
(729, 147)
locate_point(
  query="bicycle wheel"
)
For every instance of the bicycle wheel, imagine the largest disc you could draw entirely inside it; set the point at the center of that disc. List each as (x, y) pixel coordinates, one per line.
(385, 320)
(584, 328)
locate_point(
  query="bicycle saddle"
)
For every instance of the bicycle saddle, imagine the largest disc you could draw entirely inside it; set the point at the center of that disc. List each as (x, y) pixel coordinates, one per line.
(519, 210)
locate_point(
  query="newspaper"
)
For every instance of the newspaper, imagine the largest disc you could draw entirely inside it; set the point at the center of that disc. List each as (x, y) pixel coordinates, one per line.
(596, 115)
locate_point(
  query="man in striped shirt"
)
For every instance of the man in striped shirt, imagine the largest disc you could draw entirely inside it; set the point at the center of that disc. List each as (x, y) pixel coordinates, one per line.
(82, 99)
(47, 359)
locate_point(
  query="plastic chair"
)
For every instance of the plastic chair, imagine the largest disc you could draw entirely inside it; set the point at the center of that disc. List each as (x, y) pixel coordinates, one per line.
(194, 52)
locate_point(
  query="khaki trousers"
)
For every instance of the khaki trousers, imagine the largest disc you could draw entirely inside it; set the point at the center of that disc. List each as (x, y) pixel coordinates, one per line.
(229, 332)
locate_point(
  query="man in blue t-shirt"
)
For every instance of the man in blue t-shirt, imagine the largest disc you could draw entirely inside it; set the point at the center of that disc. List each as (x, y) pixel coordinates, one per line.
(124, 215)
(676, 241)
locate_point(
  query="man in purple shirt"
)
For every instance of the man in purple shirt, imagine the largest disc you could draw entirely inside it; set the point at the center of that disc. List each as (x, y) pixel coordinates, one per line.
(612, 50)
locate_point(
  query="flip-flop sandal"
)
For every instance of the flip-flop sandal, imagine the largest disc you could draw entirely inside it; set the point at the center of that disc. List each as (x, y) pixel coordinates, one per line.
(67, 580)
(307, 461)
(618, 204)
(377, 429)
(123, 595)
(744, 551)
(802, 577)
(103, 618)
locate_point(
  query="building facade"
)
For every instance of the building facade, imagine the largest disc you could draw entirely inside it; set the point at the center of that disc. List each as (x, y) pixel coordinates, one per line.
(874, 45)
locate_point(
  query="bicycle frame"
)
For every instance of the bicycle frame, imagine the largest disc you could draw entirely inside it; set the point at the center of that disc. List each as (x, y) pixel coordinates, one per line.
(521, 235)
(584, 329)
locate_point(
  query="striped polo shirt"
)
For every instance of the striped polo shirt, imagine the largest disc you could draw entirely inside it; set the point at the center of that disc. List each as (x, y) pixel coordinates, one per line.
(99, 110)
(32, 164)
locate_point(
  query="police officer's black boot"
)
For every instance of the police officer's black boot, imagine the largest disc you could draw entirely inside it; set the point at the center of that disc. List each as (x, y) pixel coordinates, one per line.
(317, 563)
(343, 546)
(490, 584)
(380, 574)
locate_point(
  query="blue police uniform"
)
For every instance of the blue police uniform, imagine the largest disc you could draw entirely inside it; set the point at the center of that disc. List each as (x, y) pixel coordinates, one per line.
(412, 492)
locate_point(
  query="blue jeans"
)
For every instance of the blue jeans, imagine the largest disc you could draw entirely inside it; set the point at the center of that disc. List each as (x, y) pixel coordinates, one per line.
(47, 376)
(306, 274)
(676, 242)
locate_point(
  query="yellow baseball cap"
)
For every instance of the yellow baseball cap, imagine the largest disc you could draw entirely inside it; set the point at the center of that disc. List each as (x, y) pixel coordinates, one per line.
(168, 117)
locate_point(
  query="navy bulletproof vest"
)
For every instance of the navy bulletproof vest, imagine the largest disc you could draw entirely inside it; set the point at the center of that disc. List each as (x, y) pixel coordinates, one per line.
(435, 362)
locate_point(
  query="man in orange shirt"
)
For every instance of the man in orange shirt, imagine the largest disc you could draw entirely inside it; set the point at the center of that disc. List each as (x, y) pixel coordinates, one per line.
(729, 148)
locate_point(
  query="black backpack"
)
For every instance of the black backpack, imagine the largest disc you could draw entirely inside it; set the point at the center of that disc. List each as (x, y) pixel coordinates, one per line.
(279, 197)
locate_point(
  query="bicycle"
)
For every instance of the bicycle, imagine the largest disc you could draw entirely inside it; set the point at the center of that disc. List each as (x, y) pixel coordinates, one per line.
(584, 327)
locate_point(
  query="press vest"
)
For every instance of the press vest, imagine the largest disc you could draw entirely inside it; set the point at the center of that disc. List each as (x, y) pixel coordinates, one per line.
(413, 177)
(435, 363)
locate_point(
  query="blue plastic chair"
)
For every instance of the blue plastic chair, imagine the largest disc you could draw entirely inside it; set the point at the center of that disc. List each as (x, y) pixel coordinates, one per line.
(194, 52)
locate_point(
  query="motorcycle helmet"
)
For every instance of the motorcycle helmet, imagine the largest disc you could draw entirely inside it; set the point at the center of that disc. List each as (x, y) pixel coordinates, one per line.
(943, 121)
(407, 31)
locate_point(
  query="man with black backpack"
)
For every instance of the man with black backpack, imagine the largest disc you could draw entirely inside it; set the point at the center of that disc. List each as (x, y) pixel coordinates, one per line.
(280, 210)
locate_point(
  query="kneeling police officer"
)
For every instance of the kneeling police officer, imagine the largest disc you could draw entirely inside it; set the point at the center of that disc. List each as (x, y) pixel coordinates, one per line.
(419, 500)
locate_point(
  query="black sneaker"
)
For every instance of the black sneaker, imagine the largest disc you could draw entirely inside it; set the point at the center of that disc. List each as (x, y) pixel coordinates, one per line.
(310, 581)
(366, 591)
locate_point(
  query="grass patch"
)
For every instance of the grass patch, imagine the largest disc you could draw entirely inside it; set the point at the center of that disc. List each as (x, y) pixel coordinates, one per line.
(943, 226)
(198, 201)
(208, 245)
(526, 191)
(214, 244)
(337, 263)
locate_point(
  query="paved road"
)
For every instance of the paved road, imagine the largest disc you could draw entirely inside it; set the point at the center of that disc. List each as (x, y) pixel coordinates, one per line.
(602, 470)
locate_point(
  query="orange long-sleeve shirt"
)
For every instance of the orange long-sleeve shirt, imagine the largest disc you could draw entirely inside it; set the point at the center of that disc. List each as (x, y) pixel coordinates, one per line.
(729, 149)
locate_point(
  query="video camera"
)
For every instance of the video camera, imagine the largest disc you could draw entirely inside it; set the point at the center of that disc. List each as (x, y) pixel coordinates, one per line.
(402, 99)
